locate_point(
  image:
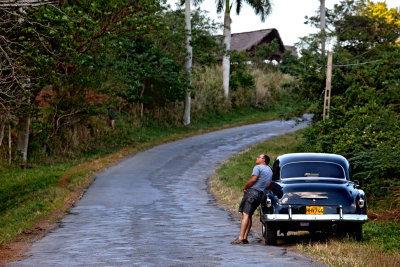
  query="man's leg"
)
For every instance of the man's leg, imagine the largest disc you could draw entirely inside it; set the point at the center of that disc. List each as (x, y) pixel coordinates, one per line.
(244, 225)
(246, 232)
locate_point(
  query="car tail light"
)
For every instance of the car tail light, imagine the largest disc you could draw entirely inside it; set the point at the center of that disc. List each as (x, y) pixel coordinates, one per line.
(361, 203)
(268, 202)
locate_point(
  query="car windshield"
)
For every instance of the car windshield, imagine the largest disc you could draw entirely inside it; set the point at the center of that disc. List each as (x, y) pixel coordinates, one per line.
(312, 169)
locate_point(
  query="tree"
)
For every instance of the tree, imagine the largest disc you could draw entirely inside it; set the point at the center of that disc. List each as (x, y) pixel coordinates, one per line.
(46, 46)
(188, 65)
(261, 7)
(364, 123)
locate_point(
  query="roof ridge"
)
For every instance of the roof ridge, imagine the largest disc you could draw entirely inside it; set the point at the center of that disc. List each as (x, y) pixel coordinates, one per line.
(254, 31)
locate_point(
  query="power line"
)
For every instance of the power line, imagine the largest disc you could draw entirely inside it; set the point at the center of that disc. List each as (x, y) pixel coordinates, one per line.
(356, 64)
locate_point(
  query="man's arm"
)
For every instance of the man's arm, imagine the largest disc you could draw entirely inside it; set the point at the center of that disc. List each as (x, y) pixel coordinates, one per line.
(250, 182)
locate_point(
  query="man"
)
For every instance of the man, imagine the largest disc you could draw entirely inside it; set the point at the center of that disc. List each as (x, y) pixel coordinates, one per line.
(111, 115)
(260, 180)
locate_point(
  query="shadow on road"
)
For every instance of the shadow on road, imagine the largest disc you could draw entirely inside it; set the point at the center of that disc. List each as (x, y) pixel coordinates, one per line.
(293, 239)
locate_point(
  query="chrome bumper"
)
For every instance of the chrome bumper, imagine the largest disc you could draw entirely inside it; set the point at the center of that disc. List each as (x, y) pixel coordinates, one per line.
(310, 217)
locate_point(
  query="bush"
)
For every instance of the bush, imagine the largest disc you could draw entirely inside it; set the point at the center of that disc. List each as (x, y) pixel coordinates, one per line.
(369, 136)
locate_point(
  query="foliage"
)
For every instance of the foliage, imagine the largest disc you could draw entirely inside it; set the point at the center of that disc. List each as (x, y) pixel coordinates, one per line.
(240, 76)
(56, 48)
(264, 53)
(146, 73)
(205, 48)
(364, 117)
(309, 70)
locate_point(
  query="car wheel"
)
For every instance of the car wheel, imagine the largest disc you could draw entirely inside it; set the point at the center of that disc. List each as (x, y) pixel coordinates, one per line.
(270, 236)
(264, 231)
(312, 232)
(357, 231)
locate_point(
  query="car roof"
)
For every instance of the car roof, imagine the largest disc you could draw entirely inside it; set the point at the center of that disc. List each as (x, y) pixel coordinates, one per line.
(304, 157)
(296, 157)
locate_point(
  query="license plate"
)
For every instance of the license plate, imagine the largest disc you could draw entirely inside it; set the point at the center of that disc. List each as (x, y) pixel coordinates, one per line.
(314, 210)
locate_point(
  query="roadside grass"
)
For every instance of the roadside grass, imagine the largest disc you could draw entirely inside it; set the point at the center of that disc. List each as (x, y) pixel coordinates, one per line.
(28, 195)
(381, 242)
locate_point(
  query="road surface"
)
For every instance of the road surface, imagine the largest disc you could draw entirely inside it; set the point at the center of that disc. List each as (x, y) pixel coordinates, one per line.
(153, 209)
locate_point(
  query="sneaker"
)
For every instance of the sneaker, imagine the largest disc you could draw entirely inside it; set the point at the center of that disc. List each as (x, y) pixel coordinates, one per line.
(239, 241)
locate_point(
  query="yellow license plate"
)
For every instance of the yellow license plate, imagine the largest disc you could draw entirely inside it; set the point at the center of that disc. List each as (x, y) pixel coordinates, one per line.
(314, 210)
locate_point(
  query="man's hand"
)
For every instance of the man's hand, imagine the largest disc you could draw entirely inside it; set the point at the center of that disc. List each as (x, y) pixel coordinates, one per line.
(250, 183)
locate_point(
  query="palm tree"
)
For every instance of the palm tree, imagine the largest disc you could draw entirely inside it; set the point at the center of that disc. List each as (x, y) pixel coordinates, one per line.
(188, 64)
(261, 7)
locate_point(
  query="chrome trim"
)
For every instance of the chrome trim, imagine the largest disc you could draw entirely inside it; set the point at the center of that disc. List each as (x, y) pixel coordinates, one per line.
(341, 212)
(314, 197)
(290, 212)
(316, 217)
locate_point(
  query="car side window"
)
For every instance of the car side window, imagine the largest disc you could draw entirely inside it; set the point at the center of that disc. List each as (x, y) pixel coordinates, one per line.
(312, 169)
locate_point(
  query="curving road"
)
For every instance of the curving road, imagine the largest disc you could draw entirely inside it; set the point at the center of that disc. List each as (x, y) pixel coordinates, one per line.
(153, 209)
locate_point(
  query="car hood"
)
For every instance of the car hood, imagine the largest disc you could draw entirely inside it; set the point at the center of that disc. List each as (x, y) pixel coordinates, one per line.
(315, 192)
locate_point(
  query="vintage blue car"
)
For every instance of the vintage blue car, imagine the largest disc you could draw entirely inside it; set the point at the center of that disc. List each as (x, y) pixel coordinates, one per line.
(312, 192)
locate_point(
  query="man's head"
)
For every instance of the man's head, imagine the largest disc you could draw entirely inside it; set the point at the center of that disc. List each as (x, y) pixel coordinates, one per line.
(263, 159)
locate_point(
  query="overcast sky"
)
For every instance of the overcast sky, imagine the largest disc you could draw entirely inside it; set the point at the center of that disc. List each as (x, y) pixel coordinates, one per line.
(287, 17)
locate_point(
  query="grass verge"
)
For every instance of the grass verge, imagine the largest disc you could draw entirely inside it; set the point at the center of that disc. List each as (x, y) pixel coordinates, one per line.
(381, 243)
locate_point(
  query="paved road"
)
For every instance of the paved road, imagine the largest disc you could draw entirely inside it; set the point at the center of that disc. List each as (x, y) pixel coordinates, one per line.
(153, 209)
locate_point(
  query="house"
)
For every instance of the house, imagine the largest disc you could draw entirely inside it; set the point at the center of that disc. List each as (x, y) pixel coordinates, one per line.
(292, 49)
(249, 41)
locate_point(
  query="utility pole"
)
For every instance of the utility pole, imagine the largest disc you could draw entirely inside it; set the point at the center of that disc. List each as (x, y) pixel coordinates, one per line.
(322, 25)
(327, 99)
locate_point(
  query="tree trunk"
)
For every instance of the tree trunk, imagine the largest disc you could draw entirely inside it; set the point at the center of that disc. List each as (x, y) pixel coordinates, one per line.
(188, 64)
(23, 136)
(226, 62)
(2, 127)
(322, 25)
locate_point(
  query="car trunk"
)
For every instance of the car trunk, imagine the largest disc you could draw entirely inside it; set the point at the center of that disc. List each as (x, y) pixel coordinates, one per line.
(330, 194)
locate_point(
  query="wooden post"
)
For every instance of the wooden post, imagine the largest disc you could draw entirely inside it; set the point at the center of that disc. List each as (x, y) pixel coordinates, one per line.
(327, 99)
(9, 143)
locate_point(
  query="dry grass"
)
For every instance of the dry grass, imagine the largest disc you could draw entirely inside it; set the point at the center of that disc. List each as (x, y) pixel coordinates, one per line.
(209, 93)
(349, 253)
(268, 86)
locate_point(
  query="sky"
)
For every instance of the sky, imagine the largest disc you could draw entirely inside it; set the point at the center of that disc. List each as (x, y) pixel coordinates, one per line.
(287, 17)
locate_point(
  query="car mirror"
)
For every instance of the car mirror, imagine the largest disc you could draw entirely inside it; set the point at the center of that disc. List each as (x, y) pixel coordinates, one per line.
(356, 183)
